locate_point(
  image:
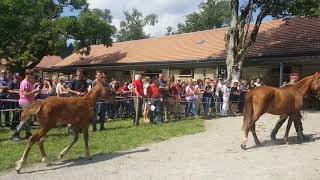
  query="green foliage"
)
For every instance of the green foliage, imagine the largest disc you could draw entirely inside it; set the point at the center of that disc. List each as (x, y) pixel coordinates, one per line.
(212, 14)
(33, 29)
(132, 27)
(119, 136)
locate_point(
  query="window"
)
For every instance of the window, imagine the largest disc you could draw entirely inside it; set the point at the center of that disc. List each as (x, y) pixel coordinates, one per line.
(186, 72)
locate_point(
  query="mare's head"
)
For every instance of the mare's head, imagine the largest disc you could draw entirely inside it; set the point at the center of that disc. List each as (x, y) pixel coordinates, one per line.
(315, 85)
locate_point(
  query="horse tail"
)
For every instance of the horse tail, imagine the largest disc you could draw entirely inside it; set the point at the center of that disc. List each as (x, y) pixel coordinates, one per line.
(248, 110)
(32, 110)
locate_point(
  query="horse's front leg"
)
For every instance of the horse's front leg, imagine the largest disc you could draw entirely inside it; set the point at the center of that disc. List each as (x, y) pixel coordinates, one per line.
(23, 159)
(66, 150)
(86, 143)
(285, 138)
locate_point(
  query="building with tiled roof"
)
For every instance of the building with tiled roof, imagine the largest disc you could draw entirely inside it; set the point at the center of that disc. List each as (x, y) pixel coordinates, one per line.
(281, 46)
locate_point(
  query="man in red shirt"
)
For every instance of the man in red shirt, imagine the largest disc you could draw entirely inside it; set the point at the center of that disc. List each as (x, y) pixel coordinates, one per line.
(154, 95)
(138, 91)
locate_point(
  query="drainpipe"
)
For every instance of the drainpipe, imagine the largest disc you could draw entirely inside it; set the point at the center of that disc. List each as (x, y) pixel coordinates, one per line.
(281, 75)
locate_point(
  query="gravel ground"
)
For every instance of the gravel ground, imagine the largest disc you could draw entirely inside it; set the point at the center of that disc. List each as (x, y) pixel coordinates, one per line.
(214, 154)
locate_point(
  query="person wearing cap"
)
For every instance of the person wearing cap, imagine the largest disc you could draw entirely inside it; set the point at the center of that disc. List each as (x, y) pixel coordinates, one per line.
(14, 86)
(283, 118)
(234, 97)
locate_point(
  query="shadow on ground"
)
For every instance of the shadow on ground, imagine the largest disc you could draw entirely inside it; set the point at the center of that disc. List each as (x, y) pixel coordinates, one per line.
(80, 162)
(291, 140)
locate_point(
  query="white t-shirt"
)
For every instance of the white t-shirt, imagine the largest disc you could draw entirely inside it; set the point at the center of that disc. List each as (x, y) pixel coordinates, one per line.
(257, 84)
(145, 87)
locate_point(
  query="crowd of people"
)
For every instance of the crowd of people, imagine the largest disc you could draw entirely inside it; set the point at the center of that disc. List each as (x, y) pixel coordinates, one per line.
(156, 99)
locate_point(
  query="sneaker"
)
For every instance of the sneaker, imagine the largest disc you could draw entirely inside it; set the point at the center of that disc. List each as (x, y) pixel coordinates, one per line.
(16, 136)
(102, 128)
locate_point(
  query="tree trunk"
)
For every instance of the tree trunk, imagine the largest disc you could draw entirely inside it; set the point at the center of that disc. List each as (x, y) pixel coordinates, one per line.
(232, 40)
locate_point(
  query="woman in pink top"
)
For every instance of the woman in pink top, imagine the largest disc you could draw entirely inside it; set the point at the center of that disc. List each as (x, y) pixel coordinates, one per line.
(27, 97)
(190, 105)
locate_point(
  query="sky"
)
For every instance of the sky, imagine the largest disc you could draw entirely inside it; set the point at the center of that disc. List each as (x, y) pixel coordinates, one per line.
(170, 12)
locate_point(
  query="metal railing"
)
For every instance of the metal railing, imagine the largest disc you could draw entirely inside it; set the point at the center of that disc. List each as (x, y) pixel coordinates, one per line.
(132, 107)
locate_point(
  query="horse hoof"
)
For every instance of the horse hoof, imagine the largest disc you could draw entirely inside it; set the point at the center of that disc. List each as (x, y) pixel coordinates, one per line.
(273, 137)
(60, 156)
(243, 146)
(18, 166)
(88, 157)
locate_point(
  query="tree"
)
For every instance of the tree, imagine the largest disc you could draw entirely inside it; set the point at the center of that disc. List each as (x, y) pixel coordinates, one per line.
(33, 29)
(239, 37)
(132, 27)
(212, 14)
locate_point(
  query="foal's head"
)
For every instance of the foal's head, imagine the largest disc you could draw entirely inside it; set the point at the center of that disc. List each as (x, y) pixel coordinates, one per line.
(103, 92)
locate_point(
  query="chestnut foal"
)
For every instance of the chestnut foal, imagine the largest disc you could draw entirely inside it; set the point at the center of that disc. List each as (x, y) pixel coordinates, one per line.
(77, 111)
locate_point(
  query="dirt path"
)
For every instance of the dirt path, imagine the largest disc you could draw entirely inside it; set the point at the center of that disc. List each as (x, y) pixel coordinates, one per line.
(214, 154)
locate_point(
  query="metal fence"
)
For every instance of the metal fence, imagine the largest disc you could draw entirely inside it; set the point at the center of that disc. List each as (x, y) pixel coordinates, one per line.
(133, 108)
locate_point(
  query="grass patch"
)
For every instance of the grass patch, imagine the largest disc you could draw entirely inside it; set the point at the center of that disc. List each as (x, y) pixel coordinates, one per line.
(119, 136)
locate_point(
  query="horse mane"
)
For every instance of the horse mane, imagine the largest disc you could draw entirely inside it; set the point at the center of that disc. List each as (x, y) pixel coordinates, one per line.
(93, 91)
(302, 84)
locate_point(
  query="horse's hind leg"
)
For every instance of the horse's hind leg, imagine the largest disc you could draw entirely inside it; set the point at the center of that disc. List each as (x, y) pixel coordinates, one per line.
(86, 139)
(254, 134)
(66, 150)
(41, 136)
(245, 132)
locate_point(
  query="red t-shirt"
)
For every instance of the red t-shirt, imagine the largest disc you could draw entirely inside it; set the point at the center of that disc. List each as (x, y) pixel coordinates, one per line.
(153, 91)
(139, 86)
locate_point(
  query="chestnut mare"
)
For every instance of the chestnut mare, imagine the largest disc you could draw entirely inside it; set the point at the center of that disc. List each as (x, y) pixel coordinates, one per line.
(287, 100)
(77, 111)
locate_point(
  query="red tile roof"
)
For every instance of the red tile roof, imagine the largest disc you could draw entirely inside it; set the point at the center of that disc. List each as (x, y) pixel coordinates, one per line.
(48, 62)
(275, 38)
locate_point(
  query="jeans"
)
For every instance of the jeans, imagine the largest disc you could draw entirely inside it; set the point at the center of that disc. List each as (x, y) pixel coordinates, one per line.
(3, 106)
(26, 125)
(218, 105)
(156, 114)
(191, 107)
(138, 101)
(101, 113)
(207, 105)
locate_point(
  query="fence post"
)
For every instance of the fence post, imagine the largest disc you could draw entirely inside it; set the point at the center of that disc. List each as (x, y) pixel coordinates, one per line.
(136, 117)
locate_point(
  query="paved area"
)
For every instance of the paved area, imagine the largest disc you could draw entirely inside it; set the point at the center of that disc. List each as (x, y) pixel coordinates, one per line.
(214, 154)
